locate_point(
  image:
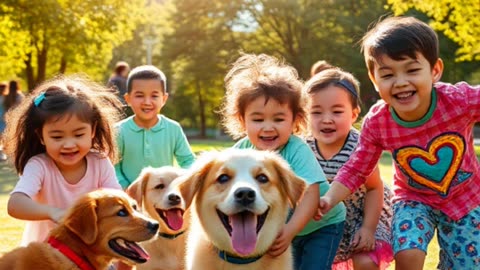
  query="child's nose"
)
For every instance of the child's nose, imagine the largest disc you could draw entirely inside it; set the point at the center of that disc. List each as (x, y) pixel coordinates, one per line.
(401, 81)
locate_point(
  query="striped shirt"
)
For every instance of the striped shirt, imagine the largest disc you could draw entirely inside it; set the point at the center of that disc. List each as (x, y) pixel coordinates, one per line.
(331, 166)
(434, 158)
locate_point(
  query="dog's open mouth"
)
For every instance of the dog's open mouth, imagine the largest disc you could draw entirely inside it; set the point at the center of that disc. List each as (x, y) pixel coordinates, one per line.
(243, 228)
(128, 249)
(172, 217)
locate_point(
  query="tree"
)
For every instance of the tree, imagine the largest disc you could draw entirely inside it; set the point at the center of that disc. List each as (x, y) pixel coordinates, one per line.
(197, 49)
(57, 35)
(458, 20)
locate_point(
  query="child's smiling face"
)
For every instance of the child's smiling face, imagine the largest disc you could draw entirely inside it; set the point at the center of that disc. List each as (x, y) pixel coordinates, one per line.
(406, 84)
(146, 99)
(268, 124)
(67, 140)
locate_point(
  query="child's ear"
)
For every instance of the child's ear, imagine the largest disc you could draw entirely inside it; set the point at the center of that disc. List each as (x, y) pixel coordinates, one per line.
(437, 70)
(355, 113)
(372, 79)
(126, 96)
(39, 134)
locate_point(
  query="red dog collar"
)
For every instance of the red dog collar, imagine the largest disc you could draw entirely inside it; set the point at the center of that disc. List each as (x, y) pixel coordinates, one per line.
(69, 253)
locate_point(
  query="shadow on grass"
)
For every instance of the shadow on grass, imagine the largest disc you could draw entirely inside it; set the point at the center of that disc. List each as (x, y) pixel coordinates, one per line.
(8, 177)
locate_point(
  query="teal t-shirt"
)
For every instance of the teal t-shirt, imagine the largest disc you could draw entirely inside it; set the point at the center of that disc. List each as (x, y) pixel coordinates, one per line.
(158, 146)
(303, 162)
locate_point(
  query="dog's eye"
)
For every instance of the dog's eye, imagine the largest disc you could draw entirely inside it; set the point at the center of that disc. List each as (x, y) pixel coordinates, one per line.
(262, 178)
(223, 178)
(122, 213)
(160, 186)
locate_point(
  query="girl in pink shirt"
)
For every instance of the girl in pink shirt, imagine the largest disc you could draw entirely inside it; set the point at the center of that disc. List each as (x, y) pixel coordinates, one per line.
(61, 141)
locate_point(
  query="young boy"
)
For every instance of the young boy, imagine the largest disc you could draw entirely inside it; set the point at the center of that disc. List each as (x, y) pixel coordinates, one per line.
(148, 138)
(427, 126)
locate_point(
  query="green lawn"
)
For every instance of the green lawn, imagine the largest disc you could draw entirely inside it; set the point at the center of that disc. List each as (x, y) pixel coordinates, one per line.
(11, 229)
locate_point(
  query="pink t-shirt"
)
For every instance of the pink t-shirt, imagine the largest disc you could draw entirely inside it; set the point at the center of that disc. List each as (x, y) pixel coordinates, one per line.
(43, 182)
(434, 158)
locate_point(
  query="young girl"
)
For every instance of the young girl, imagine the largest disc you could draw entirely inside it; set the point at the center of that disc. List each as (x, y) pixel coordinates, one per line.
(334, 107)
(264, 101)
(60, 139)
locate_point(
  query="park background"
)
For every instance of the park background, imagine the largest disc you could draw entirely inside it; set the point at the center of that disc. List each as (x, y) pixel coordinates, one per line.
(194, 41)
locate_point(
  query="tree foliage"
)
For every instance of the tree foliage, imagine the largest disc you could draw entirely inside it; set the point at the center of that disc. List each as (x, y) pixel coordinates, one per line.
(57, 35)
(458, 20)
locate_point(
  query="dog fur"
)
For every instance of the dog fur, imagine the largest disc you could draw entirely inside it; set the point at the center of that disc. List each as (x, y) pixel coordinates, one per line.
(101, 226)
(236, 190)
(151, 191)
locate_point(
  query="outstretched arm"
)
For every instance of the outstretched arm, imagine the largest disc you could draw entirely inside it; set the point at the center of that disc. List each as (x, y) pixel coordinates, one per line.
(364, 239)
(302, 214)
(21, 206)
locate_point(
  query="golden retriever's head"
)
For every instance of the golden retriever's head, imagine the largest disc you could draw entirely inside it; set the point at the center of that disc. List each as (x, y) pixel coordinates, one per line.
(107, 222)
(241, 197)
(151, 191)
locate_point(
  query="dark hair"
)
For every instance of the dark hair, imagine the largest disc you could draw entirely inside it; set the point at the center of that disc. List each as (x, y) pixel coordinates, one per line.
(319, 66)
(13, 95)
(120, 67)
(53, 100)
(398, 37)
(335, 77)
(146, 72)
(253, 76)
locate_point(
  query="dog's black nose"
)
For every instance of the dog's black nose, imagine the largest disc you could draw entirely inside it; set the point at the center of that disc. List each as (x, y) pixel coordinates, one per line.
(244, 196)
(174, 199)
(152, 226)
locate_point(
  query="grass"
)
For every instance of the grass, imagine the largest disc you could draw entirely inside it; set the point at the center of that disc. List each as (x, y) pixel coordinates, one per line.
(11, 229)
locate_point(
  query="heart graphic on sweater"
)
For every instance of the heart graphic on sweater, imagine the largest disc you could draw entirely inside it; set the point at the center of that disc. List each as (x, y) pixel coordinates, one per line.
(436, 166)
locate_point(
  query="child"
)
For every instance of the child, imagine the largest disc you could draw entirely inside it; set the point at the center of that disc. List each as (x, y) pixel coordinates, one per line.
(427, 126)
(334, 107)
(60, 138)
(148, 138)
(265, 102)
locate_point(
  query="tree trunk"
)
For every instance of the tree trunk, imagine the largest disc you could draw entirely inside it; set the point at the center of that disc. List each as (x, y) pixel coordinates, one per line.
(42, 64)
(201, 107)
(29, 72)
(63, 65)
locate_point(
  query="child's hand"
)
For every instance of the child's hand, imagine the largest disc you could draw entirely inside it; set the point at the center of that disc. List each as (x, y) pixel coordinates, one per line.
(364, 240)
(56, 214)
(324, 205)
(283, 241)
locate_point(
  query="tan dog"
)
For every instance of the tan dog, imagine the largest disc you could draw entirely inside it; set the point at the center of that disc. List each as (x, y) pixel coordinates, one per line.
(240, 201)
(101, 226)
(150, 190)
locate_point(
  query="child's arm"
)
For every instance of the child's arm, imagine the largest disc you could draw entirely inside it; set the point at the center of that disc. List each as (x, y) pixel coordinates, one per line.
(364, 239)
(337, 193)
(21, 206)
(301, 216)
(183, 152)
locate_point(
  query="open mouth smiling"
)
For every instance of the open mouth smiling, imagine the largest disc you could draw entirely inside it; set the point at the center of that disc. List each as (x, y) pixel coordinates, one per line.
(128, 249)
(172, 217)
(227, 220)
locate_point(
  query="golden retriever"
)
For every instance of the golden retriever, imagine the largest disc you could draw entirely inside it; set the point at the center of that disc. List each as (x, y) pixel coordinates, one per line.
(150, 190)
(239, 203)
(101, 226)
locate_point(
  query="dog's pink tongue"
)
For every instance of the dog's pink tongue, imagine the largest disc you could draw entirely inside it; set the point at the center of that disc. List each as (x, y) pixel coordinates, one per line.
(244, 232)
(140, 251)
(174, 219)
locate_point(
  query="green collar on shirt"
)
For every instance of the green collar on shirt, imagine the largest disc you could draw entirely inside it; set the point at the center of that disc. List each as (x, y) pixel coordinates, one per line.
(421, 121)
(158, 126)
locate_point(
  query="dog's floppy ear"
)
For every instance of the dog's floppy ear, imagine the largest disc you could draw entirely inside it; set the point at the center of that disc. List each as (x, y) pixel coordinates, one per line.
(137, 189)
(82, 220)
(189, 183)
(293, 185)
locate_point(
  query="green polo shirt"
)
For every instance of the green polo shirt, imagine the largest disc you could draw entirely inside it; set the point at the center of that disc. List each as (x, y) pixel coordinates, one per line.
(158, 146)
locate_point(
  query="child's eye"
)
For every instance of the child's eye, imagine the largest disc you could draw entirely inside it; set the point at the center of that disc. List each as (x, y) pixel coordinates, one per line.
(79, 135)
(257, 120)
(56, 137)
(386, 76)
(413, 70)
(279, 120)
(316, 113)
(338, 112)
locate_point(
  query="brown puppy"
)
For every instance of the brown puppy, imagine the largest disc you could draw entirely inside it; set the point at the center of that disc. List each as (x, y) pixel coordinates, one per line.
(240, 201)
(101, 226)
(150, 190)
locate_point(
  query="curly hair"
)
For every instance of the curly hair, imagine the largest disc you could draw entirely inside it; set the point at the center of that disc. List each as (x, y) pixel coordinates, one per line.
(63, 97)
(253, 76)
